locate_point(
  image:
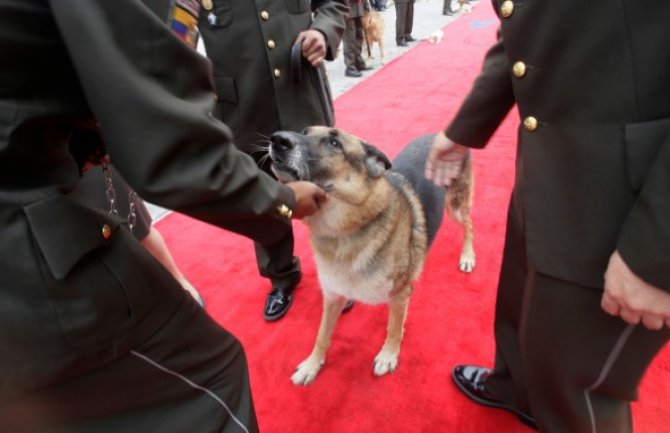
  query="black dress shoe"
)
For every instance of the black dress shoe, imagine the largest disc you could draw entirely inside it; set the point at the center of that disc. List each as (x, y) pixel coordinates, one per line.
(471, 381)
(402, 43)
(410, 39)
(352, 72)
(365, 68)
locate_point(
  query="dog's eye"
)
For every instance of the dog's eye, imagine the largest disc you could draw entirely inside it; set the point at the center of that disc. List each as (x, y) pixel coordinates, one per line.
(334, 142)
(304, 131)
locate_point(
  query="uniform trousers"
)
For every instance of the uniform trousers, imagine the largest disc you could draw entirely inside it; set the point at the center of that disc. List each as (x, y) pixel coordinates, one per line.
(113, 345)
(404, 20)
(276, 261)
(559, 356)
(353, 43)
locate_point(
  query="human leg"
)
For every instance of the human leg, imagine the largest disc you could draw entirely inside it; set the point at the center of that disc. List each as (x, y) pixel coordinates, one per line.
(504, 386)
(277, 263)
(400, 22)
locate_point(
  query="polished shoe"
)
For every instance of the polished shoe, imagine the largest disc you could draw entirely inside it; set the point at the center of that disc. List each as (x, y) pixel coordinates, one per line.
(410, 39)
(278, 302)
(365, 68)
(352, 72)
(402, 43)
(471, 381)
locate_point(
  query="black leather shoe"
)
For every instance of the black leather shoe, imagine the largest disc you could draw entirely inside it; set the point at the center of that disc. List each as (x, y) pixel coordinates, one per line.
(410, 39)
(365, 68)
(471, 381)
(352, 72)
(402, 43)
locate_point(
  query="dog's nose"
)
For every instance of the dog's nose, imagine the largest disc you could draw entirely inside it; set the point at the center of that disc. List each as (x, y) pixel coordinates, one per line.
(282, 140)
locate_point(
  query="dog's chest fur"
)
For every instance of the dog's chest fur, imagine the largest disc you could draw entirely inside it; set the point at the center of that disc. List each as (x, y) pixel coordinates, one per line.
(382, 254)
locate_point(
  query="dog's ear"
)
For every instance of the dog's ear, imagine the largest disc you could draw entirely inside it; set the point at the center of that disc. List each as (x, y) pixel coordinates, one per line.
(376, 161)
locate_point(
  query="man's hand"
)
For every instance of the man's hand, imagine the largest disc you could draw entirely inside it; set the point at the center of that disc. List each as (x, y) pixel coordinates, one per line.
(445, 160)
(313, 46)
(633, 299)
(308, 198)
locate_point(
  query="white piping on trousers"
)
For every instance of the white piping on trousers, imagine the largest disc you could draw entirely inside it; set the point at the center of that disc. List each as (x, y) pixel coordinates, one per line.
(614, 354)
(193, 385)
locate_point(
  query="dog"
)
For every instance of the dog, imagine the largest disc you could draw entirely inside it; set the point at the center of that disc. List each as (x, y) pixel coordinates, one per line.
(436, 37)
(371, 236)
(463, 6)
(373, 32)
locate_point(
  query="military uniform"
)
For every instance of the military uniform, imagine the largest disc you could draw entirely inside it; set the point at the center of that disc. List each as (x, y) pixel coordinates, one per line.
(404, 21)
(249, 43)
(592, 175)
(353, 35)
(96, 336)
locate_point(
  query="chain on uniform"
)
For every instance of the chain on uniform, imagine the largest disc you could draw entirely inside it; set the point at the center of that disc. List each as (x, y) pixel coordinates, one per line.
(110, 192)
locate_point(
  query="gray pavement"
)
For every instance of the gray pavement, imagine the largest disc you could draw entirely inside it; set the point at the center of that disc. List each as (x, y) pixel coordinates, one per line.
(428, 18)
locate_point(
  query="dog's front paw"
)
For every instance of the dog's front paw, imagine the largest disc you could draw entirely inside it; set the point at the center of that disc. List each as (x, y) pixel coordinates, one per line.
(385, 362)
(306, 372)
(467, 262)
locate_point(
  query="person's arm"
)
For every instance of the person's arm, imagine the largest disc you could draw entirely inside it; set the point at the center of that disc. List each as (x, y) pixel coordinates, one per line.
(329, 17)
(485, 107)
(637, 280)
(153, 97)
(488, 102)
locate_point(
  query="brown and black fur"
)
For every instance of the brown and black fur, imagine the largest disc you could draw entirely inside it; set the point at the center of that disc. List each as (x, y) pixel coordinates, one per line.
(371, 236)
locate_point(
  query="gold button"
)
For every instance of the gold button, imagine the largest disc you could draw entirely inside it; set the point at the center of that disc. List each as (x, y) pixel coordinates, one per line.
(507, 8)
(285, 211)
(530, 123)
(271, 44)
(106, 231)
(277, 73)
(265, 15)
(207, 5)
(519, 69)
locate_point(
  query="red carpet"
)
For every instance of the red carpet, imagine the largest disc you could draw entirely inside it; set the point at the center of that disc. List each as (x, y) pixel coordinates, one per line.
(450, 315)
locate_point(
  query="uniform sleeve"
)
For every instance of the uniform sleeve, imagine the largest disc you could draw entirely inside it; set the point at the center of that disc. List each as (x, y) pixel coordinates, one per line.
(329, 16)
(644, 241)
(487, 104)
(153, 97)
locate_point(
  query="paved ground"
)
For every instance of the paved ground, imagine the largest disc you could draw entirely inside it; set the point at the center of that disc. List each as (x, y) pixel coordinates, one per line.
(427, 19)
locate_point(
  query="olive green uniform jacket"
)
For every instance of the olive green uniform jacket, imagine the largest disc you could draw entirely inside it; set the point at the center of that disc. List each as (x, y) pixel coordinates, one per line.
(249, 43)
(592, 87)
(77, 292)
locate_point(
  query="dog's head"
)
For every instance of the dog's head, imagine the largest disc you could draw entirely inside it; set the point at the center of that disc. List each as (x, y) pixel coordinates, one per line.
(329, 157)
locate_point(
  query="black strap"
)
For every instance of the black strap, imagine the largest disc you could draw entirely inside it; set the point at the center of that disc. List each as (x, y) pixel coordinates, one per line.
(296, 62)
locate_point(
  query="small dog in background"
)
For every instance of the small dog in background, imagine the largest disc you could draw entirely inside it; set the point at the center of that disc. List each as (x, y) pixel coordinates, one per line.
(373, 33)
(463, 6)
(436, 37)
(371, 236)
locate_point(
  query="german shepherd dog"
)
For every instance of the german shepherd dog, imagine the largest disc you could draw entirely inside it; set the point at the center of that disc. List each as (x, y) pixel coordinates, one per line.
(371, 236)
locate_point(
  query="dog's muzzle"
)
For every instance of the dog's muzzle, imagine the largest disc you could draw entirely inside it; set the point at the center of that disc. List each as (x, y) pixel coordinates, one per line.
(282, 144)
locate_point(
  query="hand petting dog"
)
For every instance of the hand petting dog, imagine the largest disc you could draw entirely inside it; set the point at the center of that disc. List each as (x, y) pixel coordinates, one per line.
(445, 160)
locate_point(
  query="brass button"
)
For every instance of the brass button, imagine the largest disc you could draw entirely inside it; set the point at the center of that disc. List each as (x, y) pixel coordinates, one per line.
(207, 5)
(277, 73)
(285, 211)
(271, 44)
(519, 69)
(530, 123)
(106, 231)
(507, 8)
(265, 15)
